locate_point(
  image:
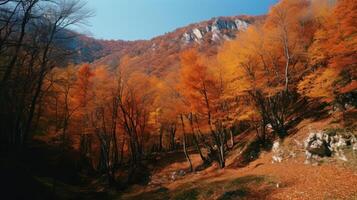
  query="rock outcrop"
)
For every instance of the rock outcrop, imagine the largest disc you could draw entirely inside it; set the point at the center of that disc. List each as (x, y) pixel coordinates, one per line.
(278, 152)
(321, 144)
(177, 174)
(220, 29)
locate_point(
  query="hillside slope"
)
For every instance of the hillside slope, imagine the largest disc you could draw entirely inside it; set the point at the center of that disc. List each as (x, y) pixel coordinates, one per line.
(260, 179)
(160, 55)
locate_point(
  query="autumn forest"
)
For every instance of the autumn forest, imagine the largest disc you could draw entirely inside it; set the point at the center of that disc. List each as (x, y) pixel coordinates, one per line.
(167, 118)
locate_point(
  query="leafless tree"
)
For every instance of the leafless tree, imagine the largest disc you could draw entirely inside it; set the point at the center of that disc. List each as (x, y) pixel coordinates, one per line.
(31, 34)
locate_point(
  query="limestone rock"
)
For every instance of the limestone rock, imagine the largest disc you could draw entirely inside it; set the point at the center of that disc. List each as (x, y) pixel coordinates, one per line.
(277, 152)
(218, 27)
(181, 173)
(176, 174)
(197, 33)
(317, 144)
(354, 143)
(320, 144)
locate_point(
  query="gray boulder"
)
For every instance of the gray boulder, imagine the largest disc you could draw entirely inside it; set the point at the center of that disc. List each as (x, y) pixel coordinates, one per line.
(181, 173)
(321, 144)
(317, 144)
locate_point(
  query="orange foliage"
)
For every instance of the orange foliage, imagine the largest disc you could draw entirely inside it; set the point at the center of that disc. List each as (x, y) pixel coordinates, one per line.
(301, 46)
(334, 51)
(196, 81)
(84, 84)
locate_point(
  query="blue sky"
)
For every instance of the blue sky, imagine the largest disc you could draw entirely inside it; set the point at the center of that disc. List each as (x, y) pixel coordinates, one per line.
(144, 19)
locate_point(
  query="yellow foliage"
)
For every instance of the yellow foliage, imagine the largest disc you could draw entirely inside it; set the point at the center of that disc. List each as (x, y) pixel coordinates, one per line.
(319, 84)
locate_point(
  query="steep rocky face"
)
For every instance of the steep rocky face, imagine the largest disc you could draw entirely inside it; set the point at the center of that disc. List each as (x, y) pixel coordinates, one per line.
(220, 29)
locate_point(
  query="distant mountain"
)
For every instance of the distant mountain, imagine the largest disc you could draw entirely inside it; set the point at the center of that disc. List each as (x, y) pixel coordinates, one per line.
(85, 49)
(161, 54)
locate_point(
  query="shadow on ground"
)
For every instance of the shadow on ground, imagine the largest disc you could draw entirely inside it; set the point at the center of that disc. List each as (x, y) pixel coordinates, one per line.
(246, 187)
(43, 172)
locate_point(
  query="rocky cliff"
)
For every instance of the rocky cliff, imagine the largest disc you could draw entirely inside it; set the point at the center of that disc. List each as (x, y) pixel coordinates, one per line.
(220, 29)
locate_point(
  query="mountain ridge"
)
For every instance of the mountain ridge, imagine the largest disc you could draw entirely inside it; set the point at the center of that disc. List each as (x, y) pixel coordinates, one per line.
(161, 53)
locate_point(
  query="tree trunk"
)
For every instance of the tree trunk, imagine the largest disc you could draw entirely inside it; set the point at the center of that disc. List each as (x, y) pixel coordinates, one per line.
(186, 153)
(64, 133)
(161, 137)
(114, 135)
(28, 123)
(172, 137)
(221, 150)
(85, 151)
(122, 152)
(184, 145)
(231, 138)
(195, 140)
(19, 44)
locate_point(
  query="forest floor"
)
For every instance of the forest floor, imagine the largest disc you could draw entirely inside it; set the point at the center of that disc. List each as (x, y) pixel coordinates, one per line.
(42, 174)
(260, 179)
